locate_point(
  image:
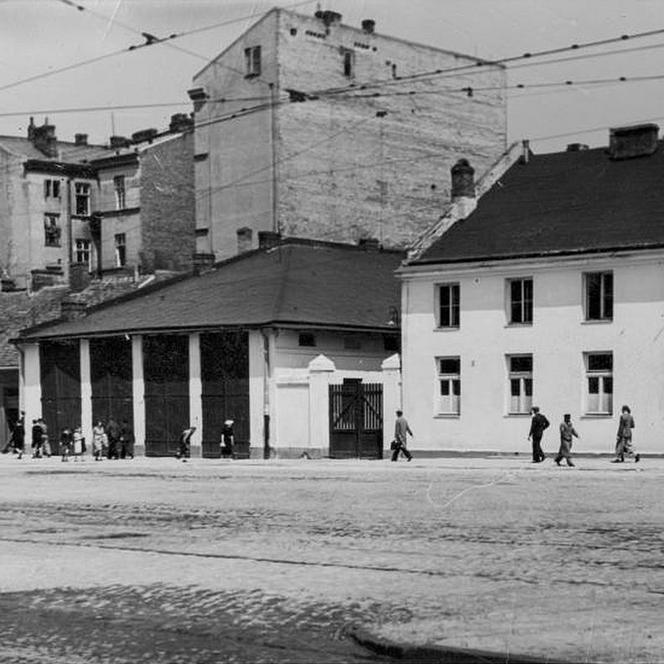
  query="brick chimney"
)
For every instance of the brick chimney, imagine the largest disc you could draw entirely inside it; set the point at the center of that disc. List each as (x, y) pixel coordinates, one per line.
(463, 188)
(369, 244)
(244, 239)
(369, 26)
(43, 138)
(144, 135)
(268, 239)
(629, 142)
(328, 17)
(576, 147)
(180, 122)
(117, 142)
(71, 309)
(80, 139)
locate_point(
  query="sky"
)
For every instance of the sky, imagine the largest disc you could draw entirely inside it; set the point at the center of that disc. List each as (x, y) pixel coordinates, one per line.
(39, 36)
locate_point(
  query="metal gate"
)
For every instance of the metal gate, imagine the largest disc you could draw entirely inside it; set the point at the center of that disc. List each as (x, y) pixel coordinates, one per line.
(356, 420)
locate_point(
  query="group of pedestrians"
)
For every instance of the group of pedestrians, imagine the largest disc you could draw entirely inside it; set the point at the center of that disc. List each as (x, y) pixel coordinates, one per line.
(539, 423)
(112, 440)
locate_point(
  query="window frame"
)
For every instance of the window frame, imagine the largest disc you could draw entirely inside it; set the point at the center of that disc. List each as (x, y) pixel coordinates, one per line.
(119, 186)
(52, 237)
(348, 62)
(52, 188)
(252, 61)
(605, 299)
(82, 193)
(448, 405)
(525, 304)
(84, 252)
(525, 379)
(120, 244)
(602, 376)
(453, 307)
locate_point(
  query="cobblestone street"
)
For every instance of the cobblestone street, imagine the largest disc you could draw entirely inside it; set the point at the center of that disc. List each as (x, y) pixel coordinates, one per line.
(152, 560)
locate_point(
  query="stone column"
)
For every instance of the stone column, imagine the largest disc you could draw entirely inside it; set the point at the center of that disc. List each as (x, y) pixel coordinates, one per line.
(138, 392)
(86, 392)
(321, 370)
(391, 368)
(30, 387)
(195, 393)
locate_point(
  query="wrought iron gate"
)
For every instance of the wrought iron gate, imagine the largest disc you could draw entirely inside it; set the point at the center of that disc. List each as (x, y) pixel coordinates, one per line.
(356, 420)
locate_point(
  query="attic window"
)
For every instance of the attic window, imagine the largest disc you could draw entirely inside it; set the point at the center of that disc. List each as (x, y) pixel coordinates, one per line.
(252, 60)
(306, 339)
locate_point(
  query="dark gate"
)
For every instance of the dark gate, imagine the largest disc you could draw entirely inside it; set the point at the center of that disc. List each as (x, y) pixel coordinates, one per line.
(60, 369)
(166, 377)
(225, 389)
(356, 420)
(111, 377)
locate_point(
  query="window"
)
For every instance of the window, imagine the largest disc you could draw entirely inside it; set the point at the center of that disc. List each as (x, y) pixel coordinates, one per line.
(599, 383)
(120, 250)
(349, 63)
(520, 368)
(82, 251)
(599, 295)
(52, 230)
(252, 60)
(120, 196)
(82, 193)
(448, 302)
(449, 385)
(51, 188)
(520, 301)
(306, 339)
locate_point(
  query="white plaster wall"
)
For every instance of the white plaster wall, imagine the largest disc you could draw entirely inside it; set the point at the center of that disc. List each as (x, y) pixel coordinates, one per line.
(557, 340)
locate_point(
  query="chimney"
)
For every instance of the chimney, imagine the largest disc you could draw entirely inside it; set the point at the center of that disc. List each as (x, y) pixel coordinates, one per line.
(463, 188)
(117, 142)
(80, 139)
(71, 309)
(525, 151)
(31, 129)
(143, 135)
(203, 262)
(244, 239)
(180, 122)
(328, 17)
(268, 239)
(198, 96)
(43, 138)
(576, 147)
(369, 244)
(369, 26)
(630, 142)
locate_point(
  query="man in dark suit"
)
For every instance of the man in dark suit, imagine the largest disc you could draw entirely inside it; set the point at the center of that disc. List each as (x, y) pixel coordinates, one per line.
(537, 426)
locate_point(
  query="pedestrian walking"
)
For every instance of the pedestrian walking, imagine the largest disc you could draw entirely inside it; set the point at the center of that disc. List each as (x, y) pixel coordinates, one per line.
(538, 424)
(78, 444)
(98, 436)
(624, 444)
(401, 431)
(19, 435)
(567, 433)
(113, 433)
(227, 439)
(66, 443)
(126, 440)
(46, 442)
(37, 439)
(184, 444)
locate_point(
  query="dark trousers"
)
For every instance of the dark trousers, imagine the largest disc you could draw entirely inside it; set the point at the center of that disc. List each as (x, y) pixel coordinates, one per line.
(538, 455)
(113, 448)
(401, 448)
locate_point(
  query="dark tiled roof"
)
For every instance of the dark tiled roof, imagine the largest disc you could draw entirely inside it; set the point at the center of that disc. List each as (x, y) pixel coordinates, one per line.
(68, 152)
(302, 284)
(562, 203)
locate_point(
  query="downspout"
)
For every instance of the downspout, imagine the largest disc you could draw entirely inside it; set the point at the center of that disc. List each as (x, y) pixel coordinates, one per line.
(273, 140)
(266, 393)
(70, 231)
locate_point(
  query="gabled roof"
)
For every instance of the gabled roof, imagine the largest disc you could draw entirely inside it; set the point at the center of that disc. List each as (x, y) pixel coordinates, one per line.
(67, 151)
(562, 204)
(298, 283)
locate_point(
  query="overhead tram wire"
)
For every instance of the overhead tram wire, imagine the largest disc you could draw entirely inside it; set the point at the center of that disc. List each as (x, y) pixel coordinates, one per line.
(83, 63)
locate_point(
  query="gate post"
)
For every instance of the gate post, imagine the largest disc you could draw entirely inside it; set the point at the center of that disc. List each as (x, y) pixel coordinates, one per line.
(138, 391)
(391, 368)
(321, 369)
(86, 392)
(30, 397)
(195, 393)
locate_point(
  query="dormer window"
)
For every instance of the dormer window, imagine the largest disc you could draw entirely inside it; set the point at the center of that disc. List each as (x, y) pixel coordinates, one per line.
(252, 60)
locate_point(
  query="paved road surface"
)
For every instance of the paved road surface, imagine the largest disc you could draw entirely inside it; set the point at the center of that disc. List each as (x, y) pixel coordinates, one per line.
(156, 561)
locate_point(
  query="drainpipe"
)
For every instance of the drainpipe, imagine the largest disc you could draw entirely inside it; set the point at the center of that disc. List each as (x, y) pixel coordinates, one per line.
(69, 238)
(273, 137)
(266, 393)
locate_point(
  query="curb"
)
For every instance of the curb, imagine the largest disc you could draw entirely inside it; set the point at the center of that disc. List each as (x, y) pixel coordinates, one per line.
(441, 654)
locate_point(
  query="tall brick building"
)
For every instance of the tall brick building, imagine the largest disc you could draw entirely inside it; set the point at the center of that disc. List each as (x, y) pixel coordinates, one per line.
(312, 128)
